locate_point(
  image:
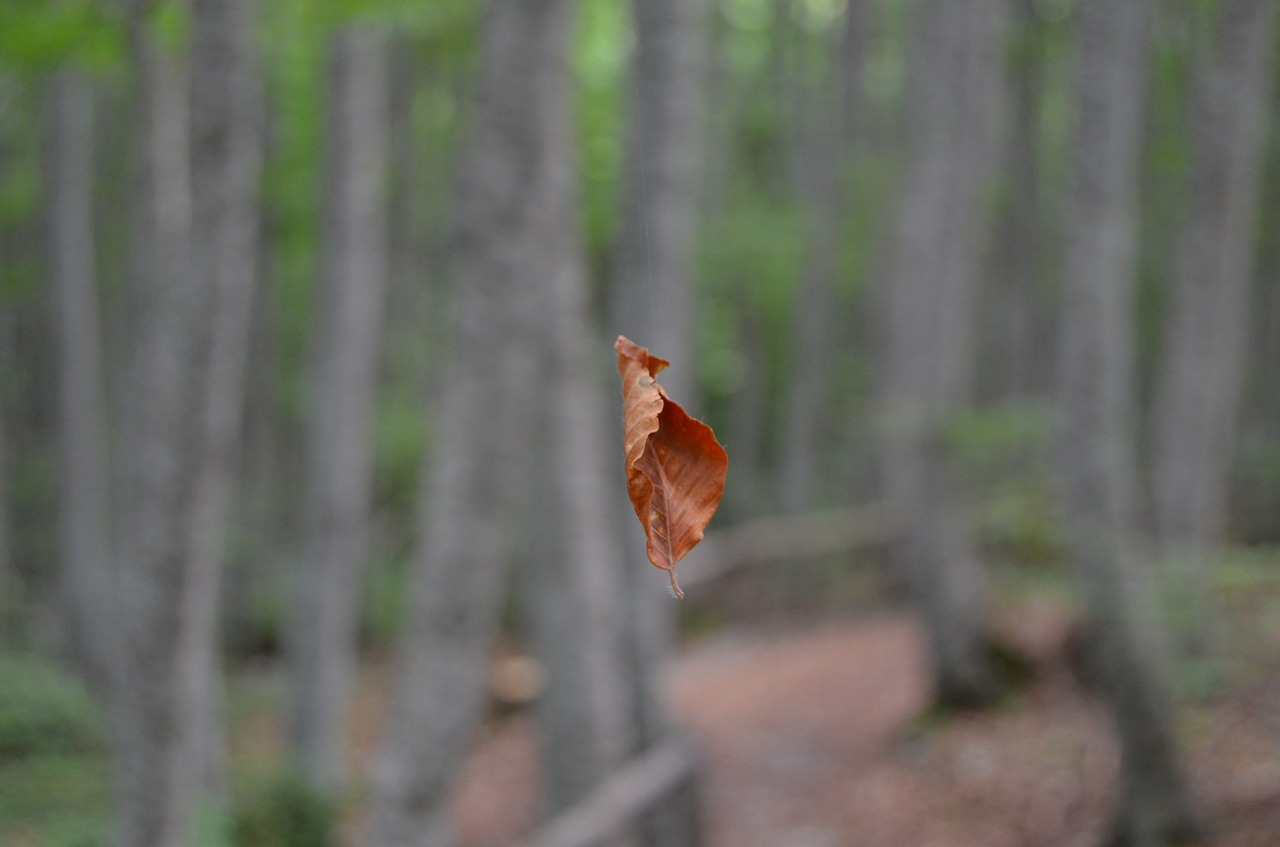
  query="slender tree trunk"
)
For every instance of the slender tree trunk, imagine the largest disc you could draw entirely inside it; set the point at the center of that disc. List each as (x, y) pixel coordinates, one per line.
(159, 781)
(264, 509)
(748, 419)
(1207, 331)
(1015, 314)
(227, 156)
(345, 348)
(855, 36)
(953, 116)
(572, 586)
(655, 304)
(572, 590)
(413, 255)
(190, 359)
(823, 142)
(10, 581)
(505, 256)
(1097, 399)
(654, 284)
(86, 575)
(1257, 515)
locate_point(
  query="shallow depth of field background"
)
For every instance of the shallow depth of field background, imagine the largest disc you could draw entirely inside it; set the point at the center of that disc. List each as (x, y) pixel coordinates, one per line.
(313, 527)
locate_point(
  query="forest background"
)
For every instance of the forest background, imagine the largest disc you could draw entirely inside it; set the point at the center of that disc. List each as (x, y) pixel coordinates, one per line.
(306, 394)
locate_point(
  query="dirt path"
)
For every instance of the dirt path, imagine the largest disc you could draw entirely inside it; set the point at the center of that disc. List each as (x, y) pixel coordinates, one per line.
(815, 740)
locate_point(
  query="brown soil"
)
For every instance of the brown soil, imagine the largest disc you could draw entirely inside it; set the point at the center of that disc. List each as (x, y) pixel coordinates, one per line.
(816, 738)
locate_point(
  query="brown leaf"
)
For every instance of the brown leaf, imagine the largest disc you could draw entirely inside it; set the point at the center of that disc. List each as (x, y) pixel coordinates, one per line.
(675, 467)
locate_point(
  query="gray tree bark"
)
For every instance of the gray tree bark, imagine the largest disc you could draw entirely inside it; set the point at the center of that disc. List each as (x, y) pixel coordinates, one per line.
(11, 595)
(338, 432)
(154, 680)
(823, 143)
(571, 589)
(953, 119)
(653, 285)
(653, 282)
(1096, 408)
(655, 304)
(227, 157)
(86, 576)
(506, 256)
(1020, 351)
(748, 419)
(189, 362)
(1198, 396)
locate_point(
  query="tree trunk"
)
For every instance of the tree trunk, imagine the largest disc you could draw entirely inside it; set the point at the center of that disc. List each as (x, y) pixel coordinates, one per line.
(654, 283)
(572, 588)
(345, 351)
(748, 420)
(653, 289)
(506, 255)
(189, 360)
(822, 142)
(1198, 399)
(159, 783)
(86, 575)
(954, 92)
(1097, 398)
(11, 595)
(227, 158)
(1015, 316)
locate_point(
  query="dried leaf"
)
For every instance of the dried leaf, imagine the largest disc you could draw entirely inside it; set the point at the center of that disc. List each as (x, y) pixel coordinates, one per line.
(675, 467)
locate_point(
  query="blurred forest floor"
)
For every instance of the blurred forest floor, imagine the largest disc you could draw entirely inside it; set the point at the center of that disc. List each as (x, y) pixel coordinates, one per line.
(816, 734)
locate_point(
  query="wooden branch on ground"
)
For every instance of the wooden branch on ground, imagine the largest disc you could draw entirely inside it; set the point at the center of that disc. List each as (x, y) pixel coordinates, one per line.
(788, 537)
(625, 795)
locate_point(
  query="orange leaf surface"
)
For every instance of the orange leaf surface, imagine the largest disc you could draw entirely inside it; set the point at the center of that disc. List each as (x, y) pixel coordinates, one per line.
(675, 467)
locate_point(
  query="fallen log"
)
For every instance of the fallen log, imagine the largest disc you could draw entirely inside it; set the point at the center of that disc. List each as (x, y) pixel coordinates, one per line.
(621, 799)
(779, 537)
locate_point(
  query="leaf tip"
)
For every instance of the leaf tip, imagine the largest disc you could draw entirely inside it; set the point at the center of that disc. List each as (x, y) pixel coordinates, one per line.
(629, 350)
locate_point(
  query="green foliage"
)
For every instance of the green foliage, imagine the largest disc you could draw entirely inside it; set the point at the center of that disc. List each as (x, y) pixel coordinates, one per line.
(19, 190)
(54, 780)
(400, 438)
(280, 809)
(55, 801)
(171, 23)
(1016, 521)
(1260, 461)
(44, 710)
(386, 596)
(746, 41)
(36, 35)
(1003, 453)
(296, 81)
(990, 440)
(1245, 586)
(599, 63)
(870, 179)
(749, 266)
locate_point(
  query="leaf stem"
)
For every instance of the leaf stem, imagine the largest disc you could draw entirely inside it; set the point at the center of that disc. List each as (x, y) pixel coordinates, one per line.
(675, 586)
